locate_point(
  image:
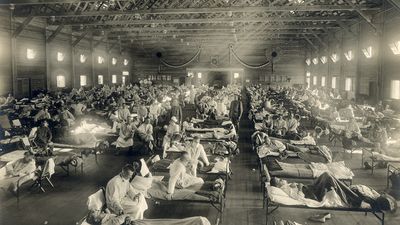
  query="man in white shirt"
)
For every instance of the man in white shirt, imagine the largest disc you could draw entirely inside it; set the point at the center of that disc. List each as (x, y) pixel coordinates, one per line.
(122, 198)
(196, 152)
(145, 132)
(178, 176)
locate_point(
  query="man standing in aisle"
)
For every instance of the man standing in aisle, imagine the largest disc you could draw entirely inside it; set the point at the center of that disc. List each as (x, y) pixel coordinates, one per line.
(236, 111)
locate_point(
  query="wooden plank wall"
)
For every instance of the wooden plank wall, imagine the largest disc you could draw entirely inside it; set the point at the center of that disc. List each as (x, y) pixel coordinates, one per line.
(365, 72)
(44, 68)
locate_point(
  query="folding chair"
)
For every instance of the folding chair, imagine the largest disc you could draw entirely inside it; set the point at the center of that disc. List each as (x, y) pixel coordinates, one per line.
(45, 175)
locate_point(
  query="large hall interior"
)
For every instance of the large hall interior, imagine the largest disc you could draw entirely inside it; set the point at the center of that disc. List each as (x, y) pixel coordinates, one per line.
(199, 112)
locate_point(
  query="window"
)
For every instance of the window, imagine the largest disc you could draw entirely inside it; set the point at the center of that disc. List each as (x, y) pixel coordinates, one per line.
(235, 75)
(308, 74)
(190, 74)
(100, 79)
(367, 52)
(30, 53)
(60, 56)
(315, 79)
(125, 73)
(395, 47)
(169, 77)
(349, 55)
(347, 84)
(114, 79)
(199, 75)
(82, 58)
(308, 62)
(114, 61)
(123, 79)
(308, 81)
(395, 89)
(335, 57)
(323, 81)
(60, 81)
(100, 60)
(83, 80)
(315, 61)
(247, 81)
(333, 82)
(126, 62)
(324, 59)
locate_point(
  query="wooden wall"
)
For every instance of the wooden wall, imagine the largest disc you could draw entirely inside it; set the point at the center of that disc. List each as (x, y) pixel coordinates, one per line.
(371, 76)
(287, 65)
(41, 72)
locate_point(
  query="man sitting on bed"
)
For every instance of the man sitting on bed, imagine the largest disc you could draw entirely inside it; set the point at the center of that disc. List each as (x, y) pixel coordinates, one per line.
(270, 146)
(20, 171)
(196, 152)
(122, 198)
(179, 178)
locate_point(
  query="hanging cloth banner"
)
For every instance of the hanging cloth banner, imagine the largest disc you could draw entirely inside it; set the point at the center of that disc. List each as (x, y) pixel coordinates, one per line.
(245, 64)
(184, 64)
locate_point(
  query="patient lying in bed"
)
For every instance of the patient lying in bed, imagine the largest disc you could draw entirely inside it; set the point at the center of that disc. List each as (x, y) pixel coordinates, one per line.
(327, 191)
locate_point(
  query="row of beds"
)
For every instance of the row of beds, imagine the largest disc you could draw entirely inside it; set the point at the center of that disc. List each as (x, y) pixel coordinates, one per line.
(207, 193)
(293, 167)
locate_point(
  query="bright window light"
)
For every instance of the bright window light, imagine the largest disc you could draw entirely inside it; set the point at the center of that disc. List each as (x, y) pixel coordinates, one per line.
(100, 79)
(334, 57)
(323, 81)
(315, 79)
(199, 75)
(190, 74)
(347, 84)
(324, 59)
(308, 62)
(60, 56)
(125, 73)
(60, 81)
(126, 62)
(395, 47)
(308, 82)
(123, 79)
(114, 79)
(83, 80)
(349, 55)
(100, 60)
(236, 75)
(82, 58)
(315, 61)
(395, 89)
(334, 82)
(367, 52)
(114, 61)
(30, 53)
(308, 74)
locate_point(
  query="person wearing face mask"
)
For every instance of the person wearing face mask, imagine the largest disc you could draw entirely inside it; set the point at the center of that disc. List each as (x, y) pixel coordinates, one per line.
(179, 178)
(122, 198)
(196, 152)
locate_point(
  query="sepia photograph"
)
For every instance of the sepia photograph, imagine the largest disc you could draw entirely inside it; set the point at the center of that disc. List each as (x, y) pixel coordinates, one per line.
(199, 112)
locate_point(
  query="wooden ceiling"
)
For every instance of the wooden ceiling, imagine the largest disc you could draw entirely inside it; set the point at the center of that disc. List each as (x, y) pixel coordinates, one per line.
(180, 25)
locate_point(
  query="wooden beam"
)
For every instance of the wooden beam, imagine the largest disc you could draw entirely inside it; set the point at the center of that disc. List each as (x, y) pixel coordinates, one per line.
(310, 42)
(366, 17)
(22, 26)
(206, 21)
(212, 10)
(319, 39)
(395, 4)
(346, 28)
(42, 2)
(79, 39)
(54, 34)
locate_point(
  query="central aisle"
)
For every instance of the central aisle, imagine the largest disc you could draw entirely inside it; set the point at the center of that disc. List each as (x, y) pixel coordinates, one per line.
(244, 197)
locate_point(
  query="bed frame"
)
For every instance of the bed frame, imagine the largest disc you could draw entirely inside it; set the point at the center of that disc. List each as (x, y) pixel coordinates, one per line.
(373, 160)
(391, 170)
(380, 215)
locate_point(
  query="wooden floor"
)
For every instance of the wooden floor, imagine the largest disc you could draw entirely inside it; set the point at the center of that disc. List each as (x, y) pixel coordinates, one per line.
(66, 203)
